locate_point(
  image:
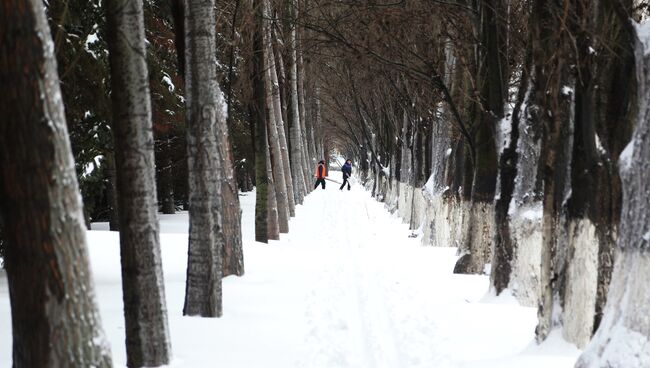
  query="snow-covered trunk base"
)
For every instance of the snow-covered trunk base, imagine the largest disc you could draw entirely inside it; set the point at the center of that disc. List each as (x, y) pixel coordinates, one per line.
(622, 341)
(404, 202)
(623, 337)
(443, 221)
(418, 209)
(392, 197)
(581, 283)
(526, 230)
(478, 239)
(436, 217)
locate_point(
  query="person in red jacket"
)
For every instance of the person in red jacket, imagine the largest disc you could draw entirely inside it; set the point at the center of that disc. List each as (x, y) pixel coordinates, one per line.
(321, 173)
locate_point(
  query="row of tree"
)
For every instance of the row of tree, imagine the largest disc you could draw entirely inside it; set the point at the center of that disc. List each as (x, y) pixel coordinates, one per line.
(140, 83)
(511, 116)
(285, 154)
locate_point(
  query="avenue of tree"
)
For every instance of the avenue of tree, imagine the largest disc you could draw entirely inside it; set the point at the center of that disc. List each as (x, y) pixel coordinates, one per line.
(514, 130)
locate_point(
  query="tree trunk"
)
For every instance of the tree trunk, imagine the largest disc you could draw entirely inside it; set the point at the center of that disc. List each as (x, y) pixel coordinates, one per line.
(280, 201)
(278, 47)
(587, 223)
(273, 230)
(623, 337)
(603, 126)
(143, 288)
(525, 210)
(279, 179)
(616, 123)
(205, 110)
(232, 254)
(167, 183)
(282, 138)
(297, 160)
(552, 55)
(111, 192)
(54, 317)
(491, 79)
(309, 160)
(504, 242)
(259, 117)
(318, 121)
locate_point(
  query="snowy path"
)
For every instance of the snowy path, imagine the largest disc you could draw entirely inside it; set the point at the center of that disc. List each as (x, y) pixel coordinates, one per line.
(346, 288)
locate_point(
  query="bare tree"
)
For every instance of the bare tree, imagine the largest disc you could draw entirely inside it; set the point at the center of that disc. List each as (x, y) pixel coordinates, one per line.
(205, 111)
(55, 321)
(259, 116)
(232, 252)
(274, 112)
(273, 222)
(143, 288)
(282, 138)
(622, 339)
(293, 112)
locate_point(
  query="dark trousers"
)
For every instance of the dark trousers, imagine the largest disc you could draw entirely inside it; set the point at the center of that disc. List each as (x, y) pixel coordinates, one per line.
(320, 181)
(345, 181)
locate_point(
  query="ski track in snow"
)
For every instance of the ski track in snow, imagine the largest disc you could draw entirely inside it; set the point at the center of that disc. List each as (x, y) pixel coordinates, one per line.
(345, 288)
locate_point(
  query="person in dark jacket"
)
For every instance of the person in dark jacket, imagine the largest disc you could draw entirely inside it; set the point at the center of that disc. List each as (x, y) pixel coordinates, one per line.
(347, 172)
(321, 173)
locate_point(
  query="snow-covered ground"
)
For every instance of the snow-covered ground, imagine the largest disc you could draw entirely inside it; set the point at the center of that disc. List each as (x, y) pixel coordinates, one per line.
(346, 287)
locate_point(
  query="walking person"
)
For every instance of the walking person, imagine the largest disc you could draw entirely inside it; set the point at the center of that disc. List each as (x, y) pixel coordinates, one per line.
(321, 173)
(347, 172)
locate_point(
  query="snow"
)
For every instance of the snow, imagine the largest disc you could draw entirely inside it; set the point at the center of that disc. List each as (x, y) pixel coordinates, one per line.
(361, 293)
(532, 213)
(554, 352)
(503, 132)
(168, 81)
(386, 170)
(643, 32)
(625, 159)
(91, 166)
(428, 186)
(90, 40)
(599, 145)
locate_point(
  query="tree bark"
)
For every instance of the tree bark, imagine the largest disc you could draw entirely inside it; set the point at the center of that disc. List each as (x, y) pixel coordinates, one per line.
(273, 229)
(167, 184)
(278, 48)
(111, 192)
(587, 222)
(277, 167)
(55, 319)
(232, 251)
(259, 117)
(603, 126)
(318, 121)
(297, 161)
(233, 254)
(552, 53)
(504, 242)
(491, 78)
(309, 160)
(143, 288)
(623, 338)
(205, 111)
(617, 123)
(282, 138)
